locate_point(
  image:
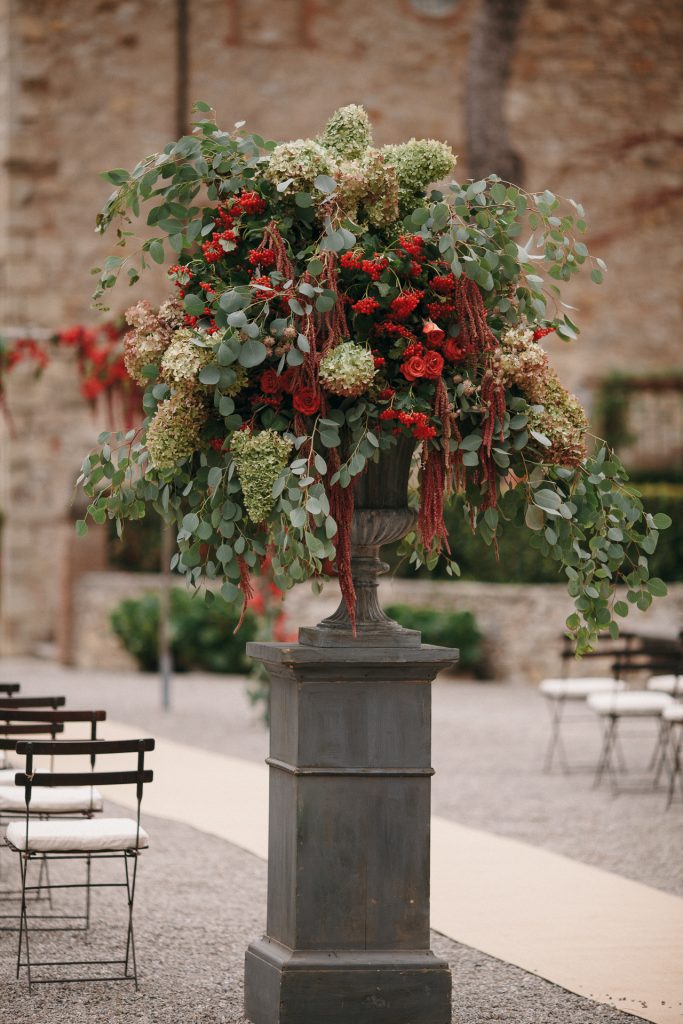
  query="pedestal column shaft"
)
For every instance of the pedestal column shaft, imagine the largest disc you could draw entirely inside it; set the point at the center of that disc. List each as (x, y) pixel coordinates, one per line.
(348, 876)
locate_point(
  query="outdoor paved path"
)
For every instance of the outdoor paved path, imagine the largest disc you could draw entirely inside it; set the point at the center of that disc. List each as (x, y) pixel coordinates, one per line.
(502, 733)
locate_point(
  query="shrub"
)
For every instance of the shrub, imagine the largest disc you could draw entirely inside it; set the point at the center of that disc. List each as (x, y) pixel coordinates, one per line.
(202, 632)
(444, 629)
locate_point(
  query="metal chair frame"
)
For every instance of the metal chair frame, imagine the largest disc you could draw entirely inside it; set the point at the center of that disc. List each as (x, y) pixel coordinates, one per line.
(28, 779)
(51, 721)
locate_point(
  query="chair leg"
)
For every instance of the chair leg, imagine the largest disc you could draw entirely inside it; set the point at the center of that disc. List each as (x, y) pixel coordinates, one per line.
(23, 922)
(661, 751)
(130, 937)
(675, 766)
(87, 891)
(555, 741)
(608, 745)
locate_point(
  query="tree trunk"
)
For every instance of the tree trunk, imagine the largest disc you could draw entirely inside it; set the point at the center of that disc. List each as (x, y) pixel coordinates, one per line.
(492, 47)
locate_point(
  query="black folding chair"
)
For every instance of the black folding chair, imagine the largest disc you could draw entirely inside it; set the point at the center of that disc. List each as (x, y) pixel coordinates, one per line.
(47, 802)
(88, 839)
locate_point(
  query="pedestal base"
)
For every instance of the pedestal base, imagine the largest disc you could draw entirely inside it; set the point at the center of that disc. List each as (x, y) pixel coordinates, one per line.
(336, 987)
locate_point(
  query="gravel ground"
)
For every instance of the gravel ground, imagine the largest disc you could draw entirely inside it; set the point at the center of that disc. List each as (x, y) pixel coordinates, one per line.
(488, 747)
(200, 901)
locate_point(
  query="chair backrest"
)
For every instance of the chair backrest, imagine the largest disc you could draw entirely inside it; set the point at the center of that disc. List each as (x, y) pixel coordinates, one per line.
(14, 703)
(9, 731)
(54, 717)
(93, 748)
(9, 688)
(650, 660)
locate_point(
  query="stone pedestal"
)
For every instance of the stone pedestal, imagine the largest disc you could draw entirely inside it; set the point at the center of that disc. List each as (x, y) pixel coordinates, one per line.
(347, 938)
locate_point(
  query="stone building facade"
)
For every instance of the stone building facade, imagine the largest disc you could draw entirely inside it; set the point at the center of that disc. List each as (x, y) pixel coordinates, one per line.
(594, 105)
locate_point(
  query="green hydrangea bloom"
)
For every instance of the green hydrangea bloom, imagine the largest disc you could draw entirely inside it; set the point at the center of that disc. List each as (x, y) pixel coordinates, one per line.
(302, 161)
(184, 357)
(259, 460)
(173, 434)
(349, 370)
(348, 133)
(418, 164)
(564, 423)
(379, 206)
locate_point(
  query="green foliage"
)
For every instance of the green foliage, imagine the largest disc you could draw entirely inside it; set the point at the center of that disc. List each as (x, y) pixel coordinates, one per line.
(519, 559)
(202, 632)
(444, 629)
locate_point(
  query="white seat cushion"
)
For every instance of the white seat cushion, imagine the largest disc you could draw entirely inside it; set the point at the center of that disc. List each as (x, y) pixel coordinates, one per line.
(51, 799)
(91, 835)
(673, 713)
(666, 684)
(639, 702)
(579, 689)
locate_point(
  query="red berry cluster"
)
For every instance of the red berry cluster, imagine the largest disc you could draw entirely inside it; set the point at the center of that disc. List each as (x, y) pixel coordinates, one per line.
(213, 250)
(416, 422)
(444, 284)
(441, 310)
(261, 257)
(413, 245)
(372, 267)
(406, 303)
(250, 203)
(367, 306)
(541, 332)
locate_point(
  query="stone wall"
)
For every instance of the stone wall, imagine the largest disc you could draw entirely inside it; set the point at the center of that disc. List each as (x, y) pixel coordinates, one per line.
(595, 108)
(521, 624)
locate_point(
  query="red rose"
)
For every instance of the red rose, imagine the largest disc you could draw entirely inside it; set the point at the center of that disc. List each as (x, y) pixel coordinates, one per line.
(453, 351)
(433, 365)
(270, 382)
(433, 334)
(414, 368)
(306, 401)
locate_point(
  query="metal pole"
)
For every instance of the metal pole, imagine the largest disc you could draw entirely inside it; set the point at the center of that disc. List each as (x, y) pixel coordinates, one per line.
(165, 654)
(167, 535)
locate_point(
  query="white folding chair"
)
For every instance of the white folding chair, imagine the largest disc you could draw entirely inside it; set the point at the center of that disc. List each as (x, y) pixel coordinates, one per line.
(612, 708)
(561, 692)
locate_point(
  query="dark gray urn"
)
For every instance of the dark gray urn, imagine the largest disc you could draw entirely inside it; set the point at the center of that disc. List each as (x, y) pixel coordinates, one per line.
(347, 935)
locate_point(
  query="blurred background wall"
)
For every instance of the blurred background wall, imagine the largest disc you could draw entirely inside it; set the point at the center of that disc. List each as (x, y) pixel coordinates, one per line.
(588, 94)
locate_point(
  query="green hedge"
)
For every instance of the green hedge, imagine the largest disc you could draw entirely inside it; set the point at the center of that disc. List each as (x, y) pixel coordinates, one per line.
(444, 629)
(202, 632)
(519, 562)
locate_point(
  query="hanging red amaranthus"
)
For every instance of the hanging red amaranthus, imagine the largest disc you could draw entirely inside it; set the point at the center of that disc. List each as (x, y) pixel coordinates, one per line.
(341, 509)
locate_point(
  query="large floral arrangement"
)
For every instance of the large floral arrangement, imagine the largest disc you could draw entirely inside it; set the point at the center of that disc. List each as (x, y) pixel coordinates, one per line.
(325, 302)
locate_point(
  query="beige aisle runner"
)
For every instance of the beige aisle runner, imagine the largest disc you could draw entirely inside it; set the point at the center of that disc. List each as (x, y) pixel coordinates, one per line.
(592, 932)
